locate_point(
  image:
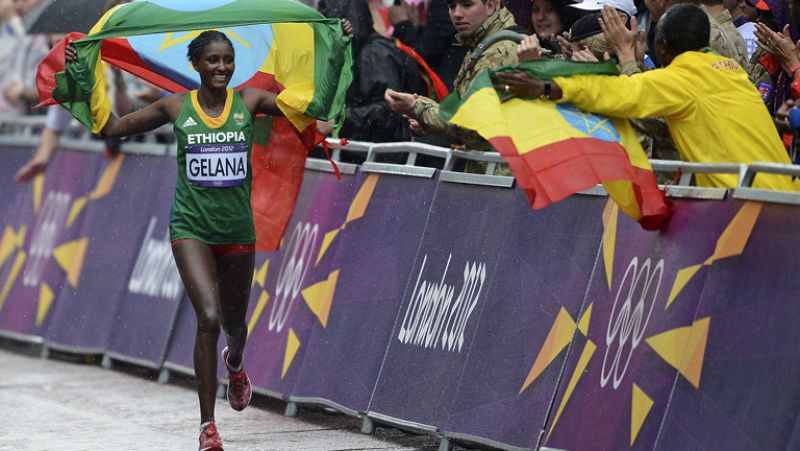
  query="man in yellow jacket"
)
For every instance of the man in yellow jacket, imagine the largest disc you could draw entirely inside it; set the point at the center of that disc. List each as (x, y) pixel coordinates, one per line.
(713, 112)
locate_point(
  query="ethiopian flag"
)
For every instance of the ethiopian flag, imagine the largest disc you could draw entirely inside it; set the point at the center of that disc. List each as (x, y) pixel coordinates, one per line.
(556, 150)
(280, 45)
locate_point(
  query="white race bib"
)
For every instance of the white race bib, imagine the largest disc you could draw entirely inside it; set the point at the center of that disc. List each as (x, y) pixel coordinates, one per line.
(216, 165)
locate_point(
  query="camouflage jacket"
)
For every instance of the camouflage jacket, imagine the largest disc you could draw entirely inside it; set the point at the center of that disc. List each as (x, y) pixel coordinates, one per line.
(653, 133)
(499, 54)
(727, 40)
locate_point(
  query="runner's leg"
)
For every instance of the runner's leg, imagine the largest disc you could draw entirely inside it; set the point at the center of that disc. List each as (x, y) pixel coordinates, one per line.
(234, 278)
(198, 271)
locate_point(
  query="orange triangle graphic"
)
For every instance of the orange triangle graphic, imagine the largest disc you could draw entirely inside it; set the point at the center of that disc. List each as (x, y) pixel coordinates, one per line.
(640, 407)
(12, 277)
(38, 187)
(684, 348)
(359, 205)
(319, 297)
(45, 301)
(326, 242)
(583, 324)
(106, 182)
(70, 257)
(583, 362)
(260, 276)
(7, 244)
(558, 338)
(262, 302)
(681, 279)
(735, 237)
(77, 207)
(292, 345)
(610, 239)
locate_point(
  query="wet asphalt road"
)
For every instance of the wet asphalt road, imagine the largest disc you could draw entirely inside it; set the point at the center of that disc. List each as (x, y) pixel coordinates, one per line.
(57, 405)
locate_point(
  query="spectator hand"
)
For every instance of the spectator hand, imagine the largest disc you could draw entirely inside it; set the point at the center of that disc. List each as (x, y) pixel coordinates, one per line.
(70, 53)
(401, 13)
(326, 127)
(621, 40)
(529, 49)
(519, 84)
(415, 126)
(13, 93)
(585, 56)
(781, 118)
(31, 169)
(566, 45)
(347, 27)
(400, 102)
(780, 45)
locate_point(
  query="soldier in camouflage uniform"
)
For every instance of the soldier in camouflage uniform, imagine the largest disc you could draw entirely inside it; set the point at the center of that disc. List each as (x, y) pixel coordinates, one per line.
(725, 38)
(426, 111)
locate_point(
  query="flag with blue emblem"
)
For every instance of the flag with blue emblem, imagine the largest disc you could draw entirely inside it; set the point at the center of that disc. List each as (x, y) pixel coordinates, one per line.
(281, 46)
(556, 150)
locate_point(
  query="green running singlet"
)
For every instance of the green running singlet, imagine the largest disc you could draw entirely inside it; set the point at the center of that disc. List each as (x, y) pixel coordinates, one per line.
(212, 194)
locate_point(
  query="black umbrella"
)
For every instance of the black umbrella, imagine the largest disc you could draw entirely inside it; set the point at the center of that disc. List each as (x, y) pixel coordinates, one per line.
(64, 16)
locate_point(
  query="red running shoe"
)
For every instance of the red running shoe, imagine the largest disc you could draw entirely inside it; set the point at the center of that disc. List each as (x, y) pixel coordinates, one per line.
(239, 391)
(210, 439)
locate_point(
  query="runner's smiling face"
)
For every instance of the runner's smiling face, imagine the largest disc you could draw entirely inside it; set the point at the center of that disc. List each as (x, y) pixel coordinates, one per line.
(216, 65)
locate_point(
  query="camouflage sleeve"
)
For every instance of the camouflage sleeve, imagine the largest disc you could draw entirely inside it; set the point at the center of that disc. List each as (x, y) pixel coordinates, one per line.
(501, 53)
(728, 43)
(629, 68)
(427, 114)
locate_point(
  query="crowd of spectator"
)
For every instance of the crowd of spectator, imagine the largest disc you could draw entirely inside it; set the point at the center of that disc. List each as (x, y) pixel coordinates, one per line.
(409, 54)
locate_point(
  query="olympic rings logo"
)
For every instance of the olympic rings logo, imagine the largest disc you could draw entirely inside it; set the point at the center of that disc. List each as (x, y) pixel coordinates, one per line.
(626, 326)
(293, 271)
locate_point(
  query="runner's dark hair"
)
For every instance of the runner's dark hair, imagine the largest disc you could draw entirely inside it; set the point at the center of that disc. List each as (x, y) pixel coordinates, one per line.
(199, 44)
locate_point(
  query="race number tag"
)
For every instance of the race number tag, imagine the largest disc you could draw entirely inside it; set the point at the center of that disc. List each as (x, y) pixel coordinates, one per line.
(216, 165)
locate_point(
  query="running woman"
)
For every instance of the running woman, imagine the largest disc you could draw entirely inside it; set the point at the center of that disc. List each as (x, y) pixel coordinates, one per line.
(211, 221)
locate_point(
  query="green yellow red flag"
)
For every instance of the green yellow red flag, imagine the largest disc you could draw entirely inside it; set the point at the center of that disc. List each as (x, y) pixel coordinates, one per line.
(556, 150)
(282, 46)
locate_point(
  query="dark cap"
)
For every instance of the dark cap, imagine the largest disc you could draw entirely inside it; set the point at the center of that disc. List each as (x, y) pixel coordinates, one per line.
(585, 26)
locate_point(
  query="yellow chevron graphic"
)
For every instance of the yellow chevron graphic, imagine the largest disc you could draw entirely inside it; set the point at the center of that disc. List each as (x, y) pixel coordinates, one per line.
(640, 407)
(319, 297)
(106, 182)
(45, 301)
(292, 345)
(12, 277)
(262, 302)
(557, 340)
(70, 257)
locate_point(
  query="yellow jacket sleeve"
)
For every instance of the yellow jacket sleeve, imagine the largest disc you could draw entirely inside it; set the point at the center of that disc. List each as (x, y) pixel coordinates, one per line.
(661, 92)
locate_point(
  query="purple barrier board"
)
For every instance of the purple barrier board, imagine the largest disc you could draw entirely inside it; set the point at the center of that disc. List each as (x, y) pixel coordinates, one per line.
(448, 289)
(372, 265)
(514, 362)
(747, 397)
(48, 224)
(13, 159)
(180, 348)
(283, 311)
(632, 335)
(110, 236)
(151, 286)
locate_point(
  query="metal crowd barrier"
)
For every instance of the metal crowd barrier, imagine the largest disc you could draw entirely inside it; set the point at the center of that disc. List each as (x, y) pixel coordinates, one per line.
(533, 295)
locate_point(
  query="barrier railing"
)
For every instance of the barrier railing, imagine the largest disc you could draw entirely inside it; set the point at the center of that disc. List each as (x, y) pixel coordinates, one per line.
(439, 303)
